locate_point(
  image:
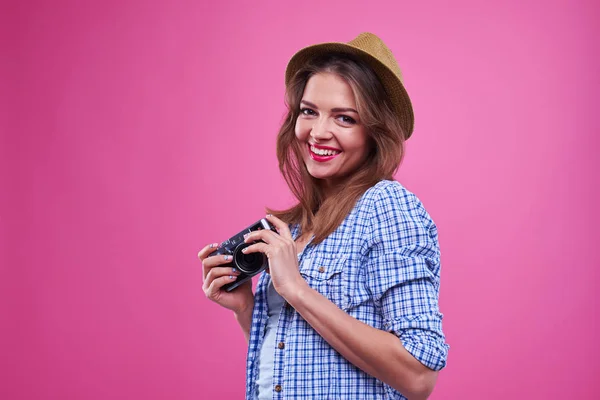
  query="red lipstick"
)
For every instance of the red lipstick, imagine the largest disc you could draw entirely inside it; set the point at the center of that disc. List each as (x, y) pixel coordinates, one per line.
(320, 158)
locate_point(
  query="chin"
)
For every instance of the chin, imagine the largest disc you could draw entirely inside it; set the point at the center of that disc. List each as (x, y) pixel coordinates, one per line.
(315, 173)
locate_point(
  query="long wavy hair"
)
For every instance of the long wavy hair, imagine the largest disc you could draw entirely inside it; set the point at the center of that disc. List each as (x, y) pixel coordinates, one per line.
(314, 212)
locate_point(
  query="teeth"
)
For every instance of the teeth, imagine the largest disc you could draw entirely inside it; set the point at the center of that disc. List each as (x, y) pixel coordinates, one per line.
(323, 152)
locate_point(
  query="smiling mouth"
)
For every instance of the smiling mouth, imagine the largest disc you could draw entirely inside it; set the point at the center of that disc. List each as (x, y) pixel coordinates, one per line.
(322, 155)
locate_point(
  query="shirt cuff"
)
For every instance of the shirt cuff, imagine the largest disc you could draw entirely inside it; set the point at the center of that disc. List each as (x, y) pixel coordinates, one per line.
(426, 345)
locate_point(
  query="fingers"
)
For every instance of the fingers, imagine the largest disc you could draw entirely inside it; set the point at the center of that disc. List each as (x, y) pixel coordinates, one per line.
(265, 235)
(217, 278)
(214, 261)
(217, 284)
(256, 248)
(269, 242)
(282, 227)
(208, 249)
(219, 272)
(268, 250)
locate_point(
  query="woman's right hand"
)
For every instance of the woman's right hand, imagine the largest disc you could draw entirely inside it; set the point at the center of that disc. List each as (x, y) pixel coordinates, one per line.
(240, 300)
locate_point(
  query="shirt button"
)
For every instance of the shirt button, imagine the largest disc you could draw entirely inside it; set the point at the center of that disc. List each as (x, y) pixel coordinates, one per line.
(321, 269)
(281, 345)
(278, 388)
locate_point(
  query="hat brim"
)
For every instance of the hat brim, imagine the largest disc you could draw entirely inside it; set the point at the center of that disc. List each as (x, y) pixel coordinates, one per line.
(391, 82)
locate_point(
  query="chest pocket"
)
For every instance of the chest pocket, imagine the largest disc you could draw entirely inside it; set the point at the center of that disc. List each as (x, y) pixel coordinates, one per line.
(325, 275)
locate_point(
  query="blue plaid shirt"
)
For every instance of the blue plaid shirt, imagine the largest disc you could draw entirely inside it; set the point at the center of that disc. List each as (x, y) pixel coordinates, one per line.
(381, 266)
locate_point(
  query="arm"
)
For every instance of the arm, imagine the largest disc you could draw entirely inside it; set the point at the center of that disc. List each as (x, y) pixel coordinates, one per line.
(244, 318)
(376, 352)
(240, 301)
(402, 268)
(402, 275)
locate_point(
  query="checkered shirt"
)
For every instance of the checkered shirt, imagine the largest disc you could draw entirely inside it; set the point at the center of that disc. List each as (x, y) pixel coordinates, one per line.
(382, 267)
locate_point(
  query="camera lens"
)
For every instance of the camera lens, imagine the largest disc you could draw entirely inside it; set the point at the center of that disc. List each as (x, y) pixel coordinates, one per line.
(248, 263)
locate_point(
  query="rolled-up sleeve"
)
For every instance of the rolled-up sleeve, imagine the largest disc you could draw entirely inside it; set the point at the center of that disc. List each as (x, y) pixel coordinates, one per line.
(403, 274)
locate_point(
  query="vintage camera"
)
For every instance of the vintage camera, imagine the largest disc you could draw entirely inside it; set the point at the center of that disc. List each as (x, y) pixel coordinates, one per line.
(248, 264)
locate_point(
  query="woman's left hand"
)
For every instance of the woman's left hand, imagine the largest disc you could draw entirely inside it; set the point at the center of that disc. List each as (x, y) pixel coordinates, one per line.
(280, 249)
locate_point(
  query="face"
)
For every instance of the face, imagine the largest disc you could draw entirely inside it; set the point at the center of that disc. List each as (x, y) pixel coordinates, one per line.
(332, 138)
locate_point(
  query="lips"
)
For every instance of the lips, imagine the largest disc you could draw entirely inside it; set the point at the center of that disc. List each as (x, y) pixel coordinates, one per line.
(322, 153)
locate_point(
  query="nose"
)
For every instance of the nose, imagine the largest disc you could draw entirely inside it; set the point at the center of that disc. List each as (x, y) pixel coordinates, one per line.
(320, 130)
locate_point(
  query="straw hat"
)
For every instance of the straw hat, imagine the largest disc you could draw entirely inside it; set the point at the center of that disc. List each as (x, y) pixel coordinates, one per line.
(378, 56)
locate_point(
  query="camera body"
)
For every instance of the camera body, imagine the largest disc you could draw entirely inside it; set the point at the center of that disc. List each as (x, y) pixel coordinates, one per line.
(249, 265)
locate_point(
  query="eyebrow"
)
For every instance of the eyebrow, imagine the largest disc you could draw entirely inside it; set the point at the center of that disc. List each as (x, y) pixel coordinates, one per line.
(308, 103)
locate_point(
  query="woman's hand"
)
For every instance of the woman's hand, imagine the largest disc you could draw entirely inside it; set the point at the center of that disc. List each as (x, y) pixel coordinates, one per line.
(240, 300)
(280, 249)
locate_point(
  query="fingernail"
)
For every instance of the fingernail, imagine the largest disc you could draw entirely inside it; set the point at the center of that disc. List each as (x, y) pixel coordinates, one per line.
(234, 270)
(227, 258)
(246, 235)
(244, 249)
(269, 215)
(232, 277)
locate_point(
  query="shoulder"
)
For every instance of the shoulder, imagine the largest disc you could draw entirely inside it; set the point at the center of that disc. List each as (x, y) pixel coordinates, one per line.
(389, 196)
(388, 208)
(397, 219)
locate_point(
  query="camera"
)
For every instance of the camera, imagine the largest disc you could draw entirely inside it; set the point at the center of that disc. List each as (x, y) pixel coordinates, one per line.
(248, 264)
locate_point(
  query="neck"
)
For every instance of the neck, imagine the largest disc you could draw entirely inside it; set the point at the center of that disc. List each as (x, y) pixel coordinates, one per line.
(329, 188)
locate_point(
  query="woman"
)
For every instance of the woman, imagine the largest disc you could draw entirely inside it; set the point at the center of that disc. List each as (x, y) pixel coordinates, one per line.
(349, 306)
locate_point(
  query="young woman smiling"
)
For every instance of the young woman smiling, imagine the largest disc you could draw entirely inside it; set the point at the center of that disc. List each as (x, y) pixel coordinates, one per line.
(349, 306)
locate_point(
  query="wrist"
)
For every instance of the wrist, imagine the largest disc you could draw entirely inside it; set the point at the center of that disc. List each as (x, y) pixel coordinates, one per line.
(296, 292)
(245, 311)
(244, 319)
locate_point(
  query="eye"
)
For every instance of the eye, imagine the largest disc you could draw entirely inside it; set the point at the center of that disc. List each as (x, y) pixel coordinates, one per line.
(347, 120)
(307, 111)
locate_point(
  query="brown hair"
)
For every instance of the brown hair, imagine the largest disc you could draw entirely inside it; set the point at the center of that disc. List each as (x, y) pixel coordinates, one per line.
(385, 137)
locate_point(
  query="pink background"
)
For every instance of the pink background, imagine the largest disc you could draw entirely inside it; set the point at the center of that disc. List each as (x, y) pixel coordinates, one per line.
(134, 134)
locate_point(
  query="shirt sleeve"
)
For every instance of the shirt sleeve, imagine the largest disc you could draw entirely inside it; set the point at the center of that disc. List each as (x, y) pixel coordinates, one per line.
(403, 274)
